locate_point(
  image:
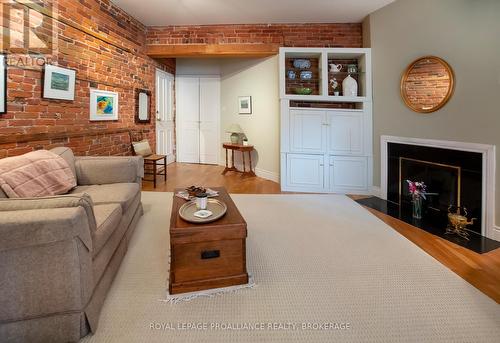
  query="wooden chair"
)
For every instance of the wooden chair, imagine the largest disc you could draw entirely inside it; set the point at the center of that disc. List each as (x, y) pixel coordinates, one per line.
(142, 148)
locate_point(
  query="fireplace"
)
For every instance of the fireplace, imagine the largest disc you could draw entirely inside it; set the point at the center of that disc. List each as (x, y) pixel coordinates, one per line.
(453, 177)
(461, 173)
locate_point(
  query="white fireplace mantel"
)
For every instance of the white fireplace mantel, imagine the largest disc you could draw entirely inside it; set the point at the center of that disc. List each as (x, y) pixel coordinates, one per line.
(488, 228)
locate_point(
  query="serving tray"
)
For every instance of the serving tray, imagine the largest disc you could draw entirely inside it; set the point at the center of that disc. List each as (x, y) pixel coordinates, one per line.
(218, 208)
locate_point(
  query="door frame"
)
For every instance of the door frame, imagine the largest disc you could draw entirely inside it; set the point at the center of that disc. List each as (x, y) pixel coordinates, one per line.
(219, 118)
(170, 158)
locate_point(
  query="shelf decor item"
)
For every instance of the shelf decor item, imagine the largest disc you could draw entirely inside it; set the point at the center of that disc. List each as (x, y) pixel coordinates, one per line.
(235, 131)
(245, 105)
(3, 85)
(303, 90)
(306, 75)
(302, 63)
(103, 105)
(418, 191)
(291, 75)
(335, 68)
(58, 83)
(352, 69)
(349, 86)
(335, 86)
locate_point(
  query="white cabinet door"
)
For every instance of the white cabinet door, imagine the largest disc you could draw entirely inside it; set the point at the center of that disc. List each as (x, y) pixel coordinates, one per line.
(305, 172)
(345, 133)
(188, 119)
(348, 174)
(307, 131)
(209, 120)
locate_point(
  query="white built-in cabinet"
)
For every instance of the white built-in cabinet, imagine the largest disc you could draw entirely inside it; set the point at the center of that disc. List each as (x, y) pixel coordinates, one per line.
(326, 149)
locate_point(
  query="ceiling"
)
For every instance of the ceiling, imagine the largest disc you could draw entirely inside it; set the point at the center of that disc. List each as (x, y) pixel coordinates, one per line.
(206, 12)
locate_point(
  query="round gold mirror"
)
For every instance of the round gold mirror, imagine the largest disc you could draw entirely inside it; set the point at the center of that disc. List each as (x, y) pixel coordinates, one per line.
(427, 84)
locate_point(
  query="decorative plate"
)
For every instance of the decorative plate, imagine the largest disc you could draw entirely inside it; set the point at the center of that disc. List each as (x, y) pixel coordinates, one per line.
(218, 209)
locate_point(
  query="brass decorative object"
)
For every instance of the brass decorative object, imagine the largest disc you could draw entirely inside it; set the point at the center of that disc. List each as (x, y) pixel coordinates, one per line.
(458, 222)
(427, 84)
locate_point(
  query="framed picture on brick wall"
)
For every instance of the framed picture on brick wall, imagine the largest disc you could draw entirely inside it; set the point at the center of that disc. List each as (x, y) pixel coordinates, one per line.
(59, 83)
(103, 105)
(3, 85)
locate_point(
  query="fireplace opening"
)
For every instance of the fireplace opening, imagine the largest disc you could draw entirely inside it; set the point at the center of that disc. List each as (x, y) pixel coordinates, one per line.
(454, 176)
(442, 180)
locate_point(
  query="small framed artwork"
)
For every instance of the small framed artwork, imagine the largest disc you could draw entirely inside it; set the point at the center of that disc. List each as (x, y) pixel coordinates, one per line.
(245, 105)
(143, 106)
(59, 83)
(103, 105)
(3, 85)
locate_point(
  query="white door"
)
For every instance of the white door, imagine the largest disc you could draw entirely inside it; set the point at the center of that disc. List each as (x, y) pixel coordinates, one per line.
(305, 172)
(198, 116)
(307, 131)
(345, 133)
(348, 174)
(209, 120)
(188, 119)
(165, 115)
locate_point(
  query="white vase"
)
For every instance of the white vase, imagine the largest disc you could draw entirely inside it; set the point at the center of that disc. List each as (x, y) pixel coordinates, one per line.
(349, 86)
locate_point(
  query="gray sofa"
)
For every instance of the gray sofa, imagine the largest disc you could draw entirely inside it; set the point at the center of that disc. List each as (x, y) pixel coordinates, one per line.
(59, 254)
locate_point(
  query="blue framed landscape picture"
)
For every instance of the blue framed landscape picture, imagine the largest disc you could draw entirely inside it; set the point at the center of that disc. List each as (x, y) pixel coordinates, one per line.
(59, 83)
(103, 105)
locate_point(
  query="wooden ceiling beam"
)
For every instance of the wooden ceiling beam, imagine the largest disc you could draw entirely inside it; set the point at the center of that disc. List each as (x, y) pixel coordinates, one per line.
(211, 50)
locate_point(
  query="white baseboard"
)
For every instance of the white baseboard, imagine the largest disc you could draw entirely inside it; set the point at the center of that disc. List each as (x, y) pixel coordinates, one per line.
(265, 174)
(376, 191)
(496, 233)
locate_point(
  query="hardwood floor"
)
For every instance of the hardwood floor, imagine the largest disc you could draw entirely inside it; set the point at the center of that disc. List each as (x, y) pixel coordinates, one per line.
(480, 270)
(181, 175)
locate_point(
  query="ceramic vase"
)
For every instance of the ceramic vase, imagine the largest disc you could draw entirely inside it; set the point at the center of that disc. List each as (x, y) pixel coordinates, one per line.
(349, 86)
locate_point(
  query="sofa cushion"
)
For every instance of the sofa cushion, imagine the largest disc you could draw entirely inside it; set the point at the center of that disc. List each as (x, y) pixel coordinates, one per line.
(68, 156)
(116, 193)
(107, 217)
(34, 174)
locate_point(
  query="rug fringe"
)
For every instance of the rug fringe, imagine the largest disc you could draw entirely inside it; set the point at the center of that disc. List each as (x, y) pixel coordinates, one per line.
(177, 298)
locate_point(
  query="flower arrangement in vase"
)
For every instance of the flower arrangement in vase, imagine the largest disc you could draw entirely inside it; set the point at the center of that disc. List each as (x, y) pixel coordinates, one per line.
(418, 191)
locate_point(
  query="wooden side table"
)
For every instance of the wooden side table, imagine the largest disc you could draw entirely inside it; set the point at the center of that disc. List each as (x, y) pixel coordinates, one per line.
(152, 160)
(242, 149)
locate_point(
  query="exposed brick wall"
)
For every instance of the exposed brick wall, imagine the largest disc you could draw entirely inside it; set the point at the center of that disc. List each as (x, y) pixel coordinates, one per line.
(303, 35)
(122, 66)
(99, 64)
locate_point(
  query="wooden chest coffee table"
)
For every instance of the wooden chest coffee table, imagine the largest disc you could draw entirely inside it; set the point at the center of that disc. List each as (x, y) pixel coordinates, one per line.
(204, 256)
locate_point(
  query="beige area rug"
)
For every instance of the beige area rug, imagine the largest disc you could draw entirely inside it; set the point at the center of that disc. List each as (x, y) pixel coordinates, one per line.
(327, 271)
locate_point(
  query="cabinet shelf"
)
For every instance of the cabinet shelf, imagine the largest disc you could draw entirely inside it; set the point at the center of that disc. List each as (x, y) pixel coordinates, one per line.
(331, 98)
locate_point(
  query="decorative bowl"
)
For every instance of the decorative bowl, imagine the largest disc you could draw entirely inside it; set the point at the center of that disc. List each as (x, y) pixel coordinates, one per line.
(306, 75)
(302, 63)
(303, 90)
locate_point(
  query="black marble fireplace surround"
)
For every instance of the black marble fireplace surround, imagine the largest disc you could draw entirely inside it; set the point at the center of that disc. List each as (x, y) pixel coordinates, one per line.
(452, 174)
(456, 177)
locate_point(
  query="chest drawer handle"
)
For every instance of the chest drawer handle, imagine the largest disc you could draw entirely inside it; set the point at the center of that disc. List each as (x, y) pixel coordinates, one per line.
(205, 255)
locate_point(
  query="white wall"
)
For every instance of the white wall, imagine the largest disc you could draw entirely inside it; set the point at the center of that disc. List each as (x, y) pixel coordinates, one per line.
(197, 66)
(259, 79)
